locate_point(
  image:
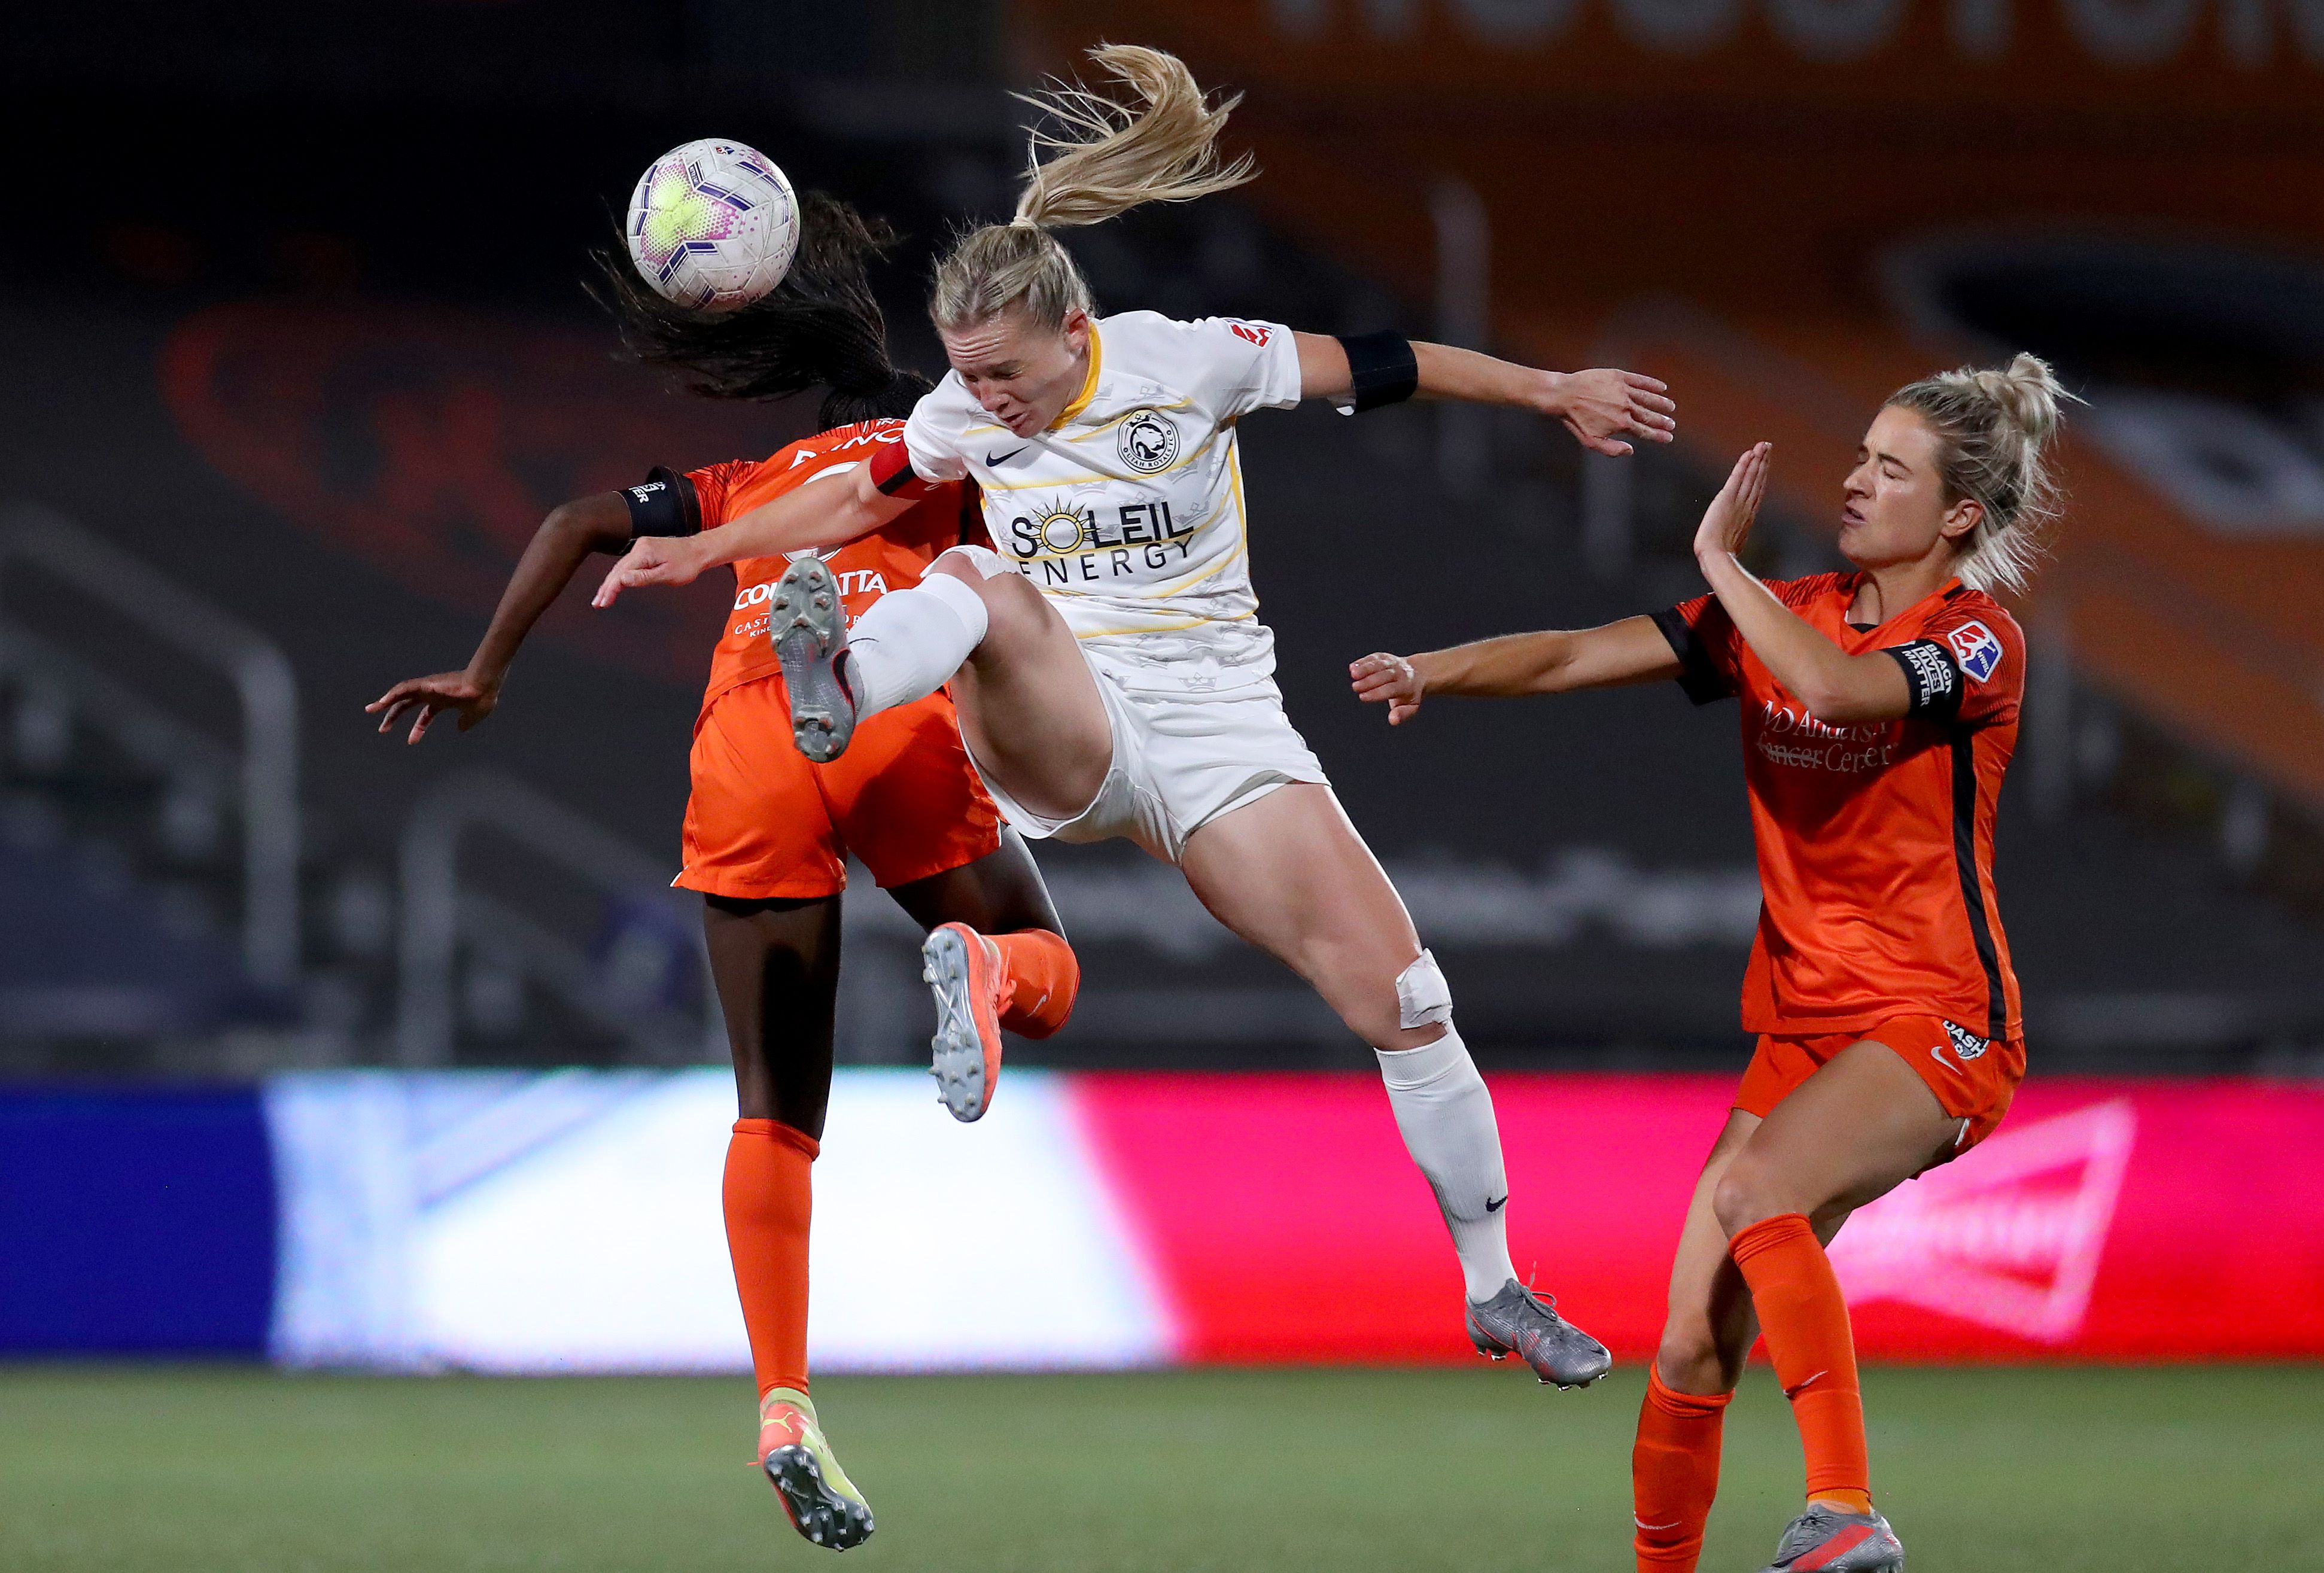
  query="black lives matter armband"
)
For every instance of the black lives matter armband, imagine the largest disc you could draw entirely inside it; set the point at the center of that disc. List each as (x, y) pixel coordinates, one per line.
(1382, 368)
(1931, 674)
(666, 504)
(892, 473)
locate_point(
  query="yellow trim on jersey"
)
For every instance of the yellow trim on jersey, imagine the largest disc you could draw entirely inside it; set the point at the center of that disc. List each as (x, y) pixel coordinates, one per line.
(1103, 426)
(1242, 518)
(1164, 592)
(1089, 383)
(1188, 457)
(1168, 627)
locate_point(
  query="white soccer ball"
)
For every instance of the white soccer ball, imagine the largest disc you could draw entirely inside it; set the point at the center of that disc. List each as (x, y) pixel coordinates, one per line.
(713, 225)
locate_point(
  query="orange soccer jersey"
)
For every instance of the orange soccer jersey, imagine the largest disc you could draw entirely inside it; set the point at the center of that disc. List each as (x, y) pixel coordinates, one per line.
(762, 822)
(1876, 840)
(892, 557)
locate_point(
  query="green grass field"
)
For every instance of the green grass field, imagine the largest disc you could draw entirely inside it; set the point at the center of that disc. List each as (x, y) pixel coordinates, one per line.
(203, 1470)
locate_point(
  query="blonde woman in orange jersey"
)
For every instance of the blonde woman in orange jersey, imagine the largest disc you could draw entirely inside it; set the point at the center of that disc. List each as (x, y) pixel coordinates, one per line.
(1114, 676)
(766, 831)
(1879, 712)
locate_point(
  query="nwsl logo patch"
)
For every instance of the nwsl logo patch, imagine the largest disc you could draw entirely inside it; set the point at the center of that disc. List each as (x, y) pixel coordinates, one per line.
(1257, 336)
(1977, 651)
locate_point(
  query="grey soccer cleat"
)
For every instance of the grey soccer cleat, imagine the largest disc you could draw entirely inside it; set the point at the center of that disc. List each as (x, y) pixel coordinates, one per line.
(1831, 1541)
(963, 969)
(1518, 1322)
(809, 628)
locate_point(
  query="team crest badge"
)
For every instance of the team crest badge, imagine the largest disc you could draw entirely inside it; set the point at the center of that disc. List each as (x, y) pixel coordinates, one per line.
(1967, 1043)
(1148, 442)
(1977, 649)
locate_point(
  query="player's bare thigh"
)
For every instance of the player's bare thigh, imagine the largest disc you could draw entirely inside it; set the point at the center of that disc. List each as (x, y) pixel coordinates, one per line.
(1861, 1125)
(1288, 873)
(1028, 708)
(1708, 1330)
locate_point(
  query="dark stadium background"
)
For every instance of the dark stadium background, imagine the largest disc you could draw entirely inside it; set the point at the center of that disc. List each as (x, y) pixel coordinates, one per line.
(315, 347)
(298, 354)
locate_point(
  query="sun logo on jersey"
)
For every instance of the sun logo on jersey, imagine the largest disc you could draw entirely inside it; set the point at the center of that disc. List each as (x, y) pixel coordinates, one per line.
(1149, 444)
(1060, 533)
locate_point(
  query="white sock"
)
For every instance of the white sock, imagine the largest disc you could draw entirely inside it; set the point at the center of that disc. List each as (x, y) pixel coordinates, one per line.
(1446, 1114)
(911, 641)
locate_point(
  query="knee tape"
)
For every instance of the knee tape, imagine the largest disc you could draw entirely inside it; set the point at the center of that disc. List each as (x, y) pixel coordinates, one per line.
(988, 563)
(1423, 997)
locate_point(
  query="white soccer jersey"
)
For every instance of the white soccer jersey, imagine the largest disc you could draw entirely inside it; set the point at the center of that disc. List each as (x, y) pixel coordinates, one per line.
(1127, 513)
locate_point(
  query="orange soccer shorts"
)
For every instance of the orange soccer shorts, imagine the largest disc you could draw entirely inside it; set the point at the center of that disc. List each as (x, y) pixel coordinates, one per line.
(1974, 1078)
(764, 822)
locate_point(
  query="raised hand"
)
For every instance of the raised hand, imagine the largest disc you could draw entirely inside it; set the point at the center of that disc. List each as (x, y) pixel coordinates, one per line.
(653, 559)
(1602, 407)
(1390, 680)
(431, 696)
(1726, 522)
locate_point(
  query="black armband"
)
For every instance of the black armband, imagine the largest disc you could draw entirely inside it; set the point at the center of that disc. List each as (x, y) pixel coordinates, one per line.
(1931, 677)
(1698, 678)
(666, 504)
(1382, 368)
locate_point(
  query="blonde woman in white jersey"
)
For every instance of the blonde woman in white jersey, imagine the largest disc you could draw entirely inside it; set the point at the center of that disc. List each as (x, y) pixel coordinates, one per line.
(1112, 676)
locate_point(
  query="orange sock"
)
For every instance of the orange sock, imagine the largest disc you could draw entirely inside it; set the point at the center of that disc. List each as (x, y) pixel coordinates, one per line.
(1806, 1323)
(1675, 1474)
(769, 1196)
(1044, 976)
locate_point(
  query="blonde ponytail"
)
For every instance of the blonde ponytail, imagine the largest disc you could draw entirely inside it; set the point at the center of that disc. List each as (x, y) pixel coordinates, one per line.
(1104, 157)
(1993, 429)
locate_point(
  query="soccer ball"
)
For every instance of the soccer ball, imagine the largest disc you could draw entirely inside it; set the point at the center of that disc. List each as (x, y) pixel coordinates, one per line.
(713, 226)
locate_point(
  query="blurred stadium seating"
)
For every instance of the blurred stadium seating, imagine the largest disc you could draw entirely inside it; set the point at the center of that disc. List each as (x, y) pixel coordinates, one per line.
(328, 412)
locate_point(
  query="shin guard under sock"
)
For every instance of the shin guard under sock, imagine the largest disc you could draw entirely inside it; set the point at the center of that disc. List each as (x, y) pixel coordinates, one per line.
(1804, 1320)
(1675, 1474)
(769, 1194)
(910, 642)
(1446, 1116)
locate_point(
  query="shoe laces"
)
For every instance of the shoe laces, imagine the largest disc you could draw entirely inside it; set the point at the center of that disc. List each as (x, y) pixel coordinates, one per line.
(1548, 1303)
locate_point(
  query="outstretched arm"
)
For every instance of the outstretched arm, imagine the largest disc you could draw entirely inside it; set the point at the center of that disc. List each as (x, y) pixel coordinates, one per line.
(829, 510)
(595, 523)
(1632, 651)
(1599, 408)
(1838, 688)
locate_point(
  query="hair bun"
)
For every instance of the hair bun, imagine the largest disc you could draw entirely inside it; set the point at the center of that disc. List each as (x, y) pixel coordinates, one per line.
(2028, 392)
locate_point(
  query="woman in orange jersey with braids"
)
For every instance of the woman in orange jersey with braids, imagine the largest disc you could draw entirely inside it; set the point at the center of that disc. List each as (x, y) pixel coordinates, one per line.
(1879, 712)
(766, 832)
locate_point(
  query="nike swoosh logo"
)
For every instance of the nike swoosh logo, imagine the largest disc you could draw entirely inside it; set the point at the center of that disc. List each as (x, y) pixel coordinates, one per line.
(1497, 1206)
(993, 459)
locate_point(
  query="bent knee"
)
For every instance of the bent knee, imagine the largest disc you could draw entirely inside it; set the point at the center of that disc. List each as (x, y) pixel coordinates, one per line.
(1410, 1010)
(1746, 1194)
(1014, 609)
(1689, 1360)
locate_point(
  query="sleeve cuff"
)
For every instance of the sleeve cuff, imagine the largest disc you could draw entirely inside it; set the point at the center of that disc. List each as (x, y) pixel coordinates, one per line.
(1698, 679)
